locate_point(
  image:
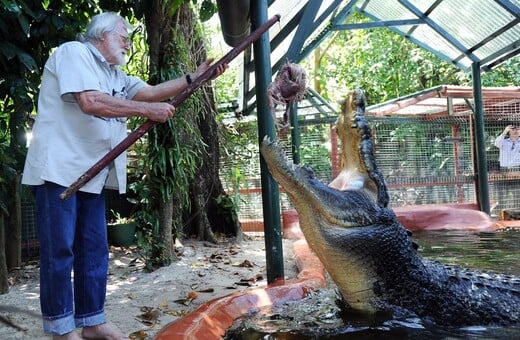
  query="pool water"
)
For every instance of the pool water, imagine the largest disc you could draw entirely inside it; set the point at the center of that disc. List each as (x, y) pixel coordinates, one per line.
(318, 316)
(497, 251)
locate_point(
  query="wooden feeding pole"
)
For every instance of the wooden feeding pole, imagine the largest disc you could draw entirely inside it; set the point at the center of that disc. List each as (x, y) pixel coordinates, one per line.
(145, 127)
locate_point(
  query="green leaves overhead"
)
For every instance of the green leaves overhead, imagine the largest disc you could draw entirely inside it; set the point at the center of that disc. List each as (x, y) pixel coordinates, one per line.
(207, 10)
(9, 51)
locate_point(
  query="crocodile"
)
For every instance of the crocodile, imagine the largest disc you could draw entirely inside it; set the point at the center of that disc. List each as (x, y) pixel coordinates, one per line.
(367, 252)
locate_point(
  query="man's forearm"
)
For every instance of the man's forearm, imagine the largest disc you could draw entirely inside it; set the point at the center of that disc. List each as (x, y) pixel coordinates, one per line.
(104, 105)
(162, 91)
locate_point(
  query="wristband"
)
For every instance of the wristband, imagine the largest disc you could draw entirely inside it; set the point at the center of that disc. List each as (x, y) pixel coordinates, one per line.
(188, 79)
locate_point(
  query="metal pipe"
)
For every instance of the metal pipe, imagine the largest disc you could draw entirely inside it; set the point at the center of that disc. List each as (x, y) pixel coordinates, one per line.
(482, 175)
(295, 133)
(270, 194)
(140, 131)
(234, 19)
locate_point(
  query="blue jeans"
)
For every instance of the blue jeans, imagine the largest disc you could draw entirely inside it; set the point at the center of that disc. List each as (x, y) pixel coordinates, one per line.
(73, 237)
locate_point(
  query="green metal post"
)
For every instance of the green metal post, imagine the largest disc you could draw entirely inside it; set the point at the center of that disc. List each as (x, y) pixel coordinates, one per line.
(482, 175)
(295, 133)
(266, 127)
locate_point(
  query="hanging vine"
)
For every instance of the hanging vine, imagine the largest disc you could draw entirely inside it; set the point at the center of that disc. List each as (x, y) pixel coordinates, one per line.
(170, 157)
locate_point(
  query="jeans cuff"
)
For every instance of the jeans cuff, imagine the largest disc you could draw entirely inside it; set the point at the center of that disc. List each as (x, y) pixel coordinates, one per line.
(91, 320)
(59, 326)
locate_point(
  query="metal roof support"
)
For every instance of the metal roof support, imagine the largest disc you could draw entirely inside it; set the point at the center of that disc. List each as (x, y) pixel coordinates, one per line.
(270, 195)
(303, 30)
(509, 6)
(339, 17)
(482, 174)
(295, 133)
(442, 32)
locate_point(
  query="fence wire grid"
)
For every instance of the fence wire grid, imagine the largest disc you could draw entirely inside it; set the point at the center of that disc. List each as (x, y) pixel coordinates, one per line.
(424, 159)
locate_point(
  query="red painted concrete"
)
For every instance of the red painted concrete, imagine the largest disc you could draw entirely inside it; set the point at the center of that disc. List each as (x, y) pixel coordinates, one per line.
(291, 225)
(444, 216)
(212, 319)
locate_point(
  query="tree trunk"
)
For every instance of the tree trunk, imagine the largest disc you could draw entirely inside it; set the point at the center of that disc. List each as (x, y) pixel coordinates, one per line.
(165, 220)
(207, 187)
(203, 217)
(13, 244)
(206, 216)
(4, 286)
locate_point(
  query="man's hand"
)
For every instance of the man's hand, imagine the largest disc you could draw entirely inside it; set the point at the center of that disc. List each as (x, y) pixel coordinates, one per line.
(206, 65)
(160, 112)
(507, 130)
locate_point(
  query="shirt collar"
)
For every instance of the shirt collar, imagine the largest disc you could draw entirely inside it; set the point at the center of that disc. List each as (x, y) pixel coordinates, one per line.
(95, 52)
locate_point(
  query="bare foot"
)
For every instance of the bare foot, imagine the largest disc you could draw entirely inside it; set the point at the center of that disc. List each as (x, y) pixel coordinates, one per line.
(69, 336)
(103, 331)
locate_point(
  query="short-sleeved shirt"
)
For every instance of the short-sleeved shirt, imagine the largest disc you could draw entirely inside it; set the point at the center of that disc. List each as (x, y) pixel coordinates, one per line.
(66, 141)
(509, 155)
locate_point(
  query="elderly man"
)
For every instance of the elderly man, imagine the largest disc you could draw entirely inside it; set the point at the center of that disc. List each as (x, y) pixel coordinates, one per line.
(83, 104)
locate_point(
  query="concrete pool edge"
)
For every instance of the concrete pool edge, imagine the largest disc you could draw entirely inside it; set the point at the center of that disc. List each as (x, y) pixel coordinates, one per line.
(213, 318)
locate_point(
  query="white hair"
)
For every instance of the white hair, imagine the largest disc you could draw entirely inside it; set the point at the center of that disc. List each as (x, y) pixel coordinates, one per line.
(103, 23)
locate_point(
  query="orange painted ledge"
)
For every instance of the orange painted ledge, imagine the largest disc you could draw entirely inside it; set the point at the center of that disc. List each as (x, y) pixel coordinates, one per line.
(212, 319)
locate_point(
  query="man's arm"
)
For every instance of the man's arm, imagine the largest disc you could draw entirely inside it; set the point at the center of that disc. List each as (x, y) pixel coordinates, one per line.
(146, 102)
(103, 105)
(500, 139)
(171, 88)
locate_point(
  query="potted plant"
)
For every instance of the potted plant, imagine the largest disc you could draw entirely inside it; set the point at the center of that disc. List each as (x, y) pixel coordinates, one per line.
(121, 230)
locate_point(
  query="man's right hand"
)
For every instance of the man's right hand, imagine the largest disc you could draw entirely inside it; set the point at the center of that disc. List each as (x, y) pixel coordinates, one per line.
(160, 112)
(507, 130)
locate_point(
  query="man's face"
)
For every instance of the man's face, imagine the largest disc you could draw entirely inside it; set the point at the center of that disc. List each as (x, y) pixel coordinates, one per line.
(514, 132)
(116, 44)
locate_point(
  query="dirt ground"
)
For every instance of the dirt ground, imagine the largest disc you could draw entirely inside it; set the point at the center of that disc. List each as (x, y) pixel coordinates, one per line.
(140, 303)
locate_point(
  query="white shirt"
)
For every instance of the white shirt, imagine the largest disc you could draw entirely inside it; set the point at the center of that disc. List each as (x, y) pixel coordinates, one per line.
(509, 155)
(66, 141)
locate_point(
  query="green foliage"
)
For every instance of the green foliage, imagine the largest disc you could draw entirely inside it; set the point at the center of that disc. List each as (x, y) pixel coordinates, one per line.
(229, 206)
(207, 9)
(28, 32)
(170, 157)
(235, 179)
(150, 249)
(313, 150)
(382, 63)
(506, 74)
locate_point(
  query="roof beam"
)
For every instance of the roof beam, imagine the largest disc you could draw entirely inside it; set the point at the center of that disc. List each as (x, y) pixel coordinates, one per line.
(304, 29)
(510, 7)
(491, 37)
(442, 32)
(415, 41)
(426, 14)
(501, 57)
(377, 24)
(341, 16)
(296, 52)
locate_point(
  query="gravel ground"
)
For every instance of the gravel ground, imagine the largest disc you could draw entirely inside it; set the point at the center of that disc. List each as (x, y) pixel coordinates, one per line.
(140, 303)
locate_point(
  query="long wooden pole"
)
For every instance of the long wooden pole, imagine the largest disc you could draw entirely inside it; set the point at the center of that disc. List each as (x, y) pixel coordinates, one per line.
(145, 127)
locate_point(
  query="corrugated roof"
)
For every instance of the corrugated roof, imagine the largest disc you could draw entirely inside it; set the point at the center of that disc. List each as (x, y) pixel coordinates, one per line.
(459, 31)
(462, 32)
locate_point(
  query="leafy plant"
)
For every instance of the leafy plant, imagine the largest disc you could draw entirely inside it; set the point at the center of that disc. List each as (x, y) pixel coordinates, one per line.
(118, 219)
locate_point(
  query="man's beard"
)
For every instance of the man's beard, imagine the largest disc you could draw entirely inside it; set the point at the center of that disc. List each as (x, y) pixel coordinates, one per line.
(121, 60)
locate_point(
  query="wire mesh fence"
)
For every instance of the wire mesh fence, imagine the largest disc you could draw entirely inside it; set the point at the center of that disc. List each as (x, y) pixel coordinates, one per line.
(425, 158)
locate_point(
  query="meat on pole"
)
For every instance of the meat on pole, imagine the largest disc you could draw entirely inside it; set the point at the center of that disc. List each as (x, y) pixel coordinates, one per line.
(145, 127)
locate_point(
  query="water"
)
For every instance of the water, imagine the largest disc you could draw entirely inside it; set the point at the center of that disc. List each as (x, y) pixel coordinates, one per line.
(498, 251)
(318, 317)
